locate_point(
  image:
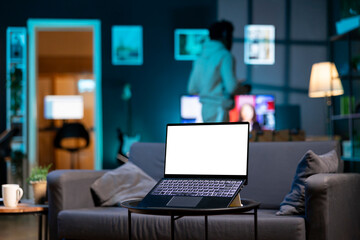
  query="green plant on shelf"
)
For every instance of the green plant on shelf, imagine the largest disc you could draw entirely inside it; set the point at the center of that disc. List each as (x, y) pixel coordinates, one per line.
(16, 77)
(355, 63)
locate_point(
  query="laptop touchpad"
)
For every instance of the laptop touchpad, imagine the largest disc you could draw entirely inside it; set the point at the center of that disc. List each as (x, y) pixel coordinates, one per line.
(184, 201)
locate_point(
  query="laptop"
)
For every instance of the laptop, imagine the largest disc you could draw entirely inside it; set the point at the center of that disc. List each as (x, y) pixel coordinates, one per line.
(206, 165)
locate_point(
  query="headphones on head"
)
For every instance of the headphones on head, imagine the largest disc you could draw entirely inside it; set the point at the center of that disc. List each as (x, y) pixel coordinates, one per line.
(223, 32)
(227, 37)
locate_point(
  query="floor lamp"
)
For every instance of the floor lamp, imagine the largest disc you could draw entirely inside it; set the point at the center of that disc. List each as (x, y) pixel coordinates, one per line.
(325, 82)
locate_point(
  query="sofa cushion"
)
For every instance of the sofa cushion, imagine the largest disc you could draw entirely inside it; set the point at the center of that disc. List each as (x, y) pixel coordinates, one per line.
(111, 223)
(310, 164)
(126, 182)
(272, 166)
(268, 183)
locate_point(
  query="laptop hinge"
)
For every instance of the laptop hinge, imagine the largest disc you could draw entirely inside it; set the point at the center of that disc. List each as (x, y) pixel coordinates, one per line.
(236, 202)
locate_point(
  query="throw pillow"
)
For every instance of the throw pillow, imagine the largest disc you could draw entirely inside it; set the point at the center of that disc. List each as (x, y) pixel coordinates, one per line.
(126, 182)
(294, 201)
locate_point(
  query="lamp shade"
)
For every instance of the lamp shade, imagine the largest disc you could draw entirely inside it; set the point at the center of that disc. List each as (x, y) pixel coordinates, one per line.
(325, 81)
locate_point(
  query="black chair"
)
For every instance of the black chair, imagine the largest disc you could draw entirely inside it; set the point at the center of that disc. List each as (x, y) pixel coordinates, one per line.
(74, 131)
(5, 151)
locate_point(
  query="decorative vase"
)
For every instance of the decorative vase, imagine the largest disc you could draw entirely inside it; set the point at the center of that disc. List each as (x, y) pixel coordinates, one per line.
(39, 189)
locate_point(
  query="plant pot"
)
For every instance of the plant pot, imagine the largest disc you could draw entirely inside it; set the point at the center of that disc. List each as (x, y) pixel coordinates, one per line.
(39, 189)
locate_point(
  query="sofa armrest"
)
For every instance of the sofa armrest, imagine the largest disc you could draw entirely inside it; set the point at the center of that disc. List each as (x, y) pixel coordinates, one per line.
(331, 206)
(69, 189)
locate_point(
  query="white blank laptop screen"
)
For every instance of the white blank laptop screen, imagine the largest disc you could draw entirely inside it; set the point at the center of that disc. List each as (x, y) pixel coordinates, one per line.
(207, 149)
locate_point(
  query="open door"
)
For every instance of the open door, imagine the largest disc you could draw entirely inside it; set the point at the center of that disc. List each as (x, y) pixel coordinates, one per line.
(64, 60)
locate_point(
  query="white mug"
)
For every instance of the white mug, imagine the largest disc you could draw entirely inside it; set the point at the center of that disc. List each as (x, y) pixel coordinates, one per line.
(11, 193)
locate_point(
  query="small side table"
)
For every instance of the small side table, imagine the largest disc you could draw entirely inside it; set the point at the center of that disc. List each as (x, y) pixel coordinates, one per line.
(29, 208)
(249, 207)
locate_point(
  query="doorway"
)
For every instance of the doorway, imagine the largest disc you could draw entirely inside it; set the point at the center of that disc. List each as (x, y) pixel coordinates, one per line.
(64, 60)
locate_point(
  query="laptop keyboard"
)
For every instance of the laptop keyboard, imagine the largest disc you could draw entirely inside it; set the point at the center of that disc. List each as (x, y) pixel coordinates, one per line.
(198, 187)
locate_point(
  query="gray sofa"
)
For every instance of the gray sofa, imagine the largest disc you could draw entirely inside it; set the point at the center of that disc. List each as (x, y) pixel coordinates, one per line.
(331, 212)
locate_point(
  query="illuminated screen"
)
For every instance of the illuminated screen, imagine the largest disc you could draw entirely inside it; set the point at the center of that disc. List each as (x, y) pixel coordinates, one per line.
(259, 110)
(207, 149)
(63, 107)
(188, 43)
(245, 106)
(190, 108)
(86, 85)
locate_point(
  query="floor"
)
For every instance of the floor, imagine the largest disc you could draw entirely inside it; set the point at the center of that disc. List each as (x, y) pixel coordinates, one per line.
(19, 227)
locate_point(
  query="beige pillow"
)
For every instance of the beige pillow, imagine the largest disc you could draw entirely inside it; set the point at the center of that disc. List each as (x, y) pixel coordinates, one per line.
(126, 182)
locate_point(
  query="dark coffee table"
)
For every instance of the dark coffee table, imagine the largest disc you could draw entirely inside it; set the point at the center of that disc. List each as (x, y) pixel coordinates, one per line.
(249, 207)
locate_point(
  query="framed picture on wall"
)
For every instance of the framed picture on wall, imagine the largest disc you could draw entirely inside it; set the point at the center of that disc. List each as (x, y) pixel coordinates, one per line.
(259, 44)
(127, 45)
(189, 43)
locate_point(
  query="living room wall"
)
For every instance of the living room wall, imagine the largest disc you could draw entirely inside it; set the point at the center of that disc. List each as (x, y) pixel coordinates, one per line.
(156, 85)
(159, 82)
(299, 42)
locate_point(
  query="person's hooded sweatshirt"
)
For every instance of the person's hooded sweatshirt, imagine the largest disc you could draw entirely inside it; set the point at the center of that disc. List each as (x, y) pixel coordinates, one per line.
(213, 76)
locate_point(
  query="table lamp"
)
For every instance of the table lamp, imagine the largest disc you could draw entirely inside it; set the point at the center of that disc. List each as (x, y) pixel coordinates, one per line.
(325, 82)
(68, 107)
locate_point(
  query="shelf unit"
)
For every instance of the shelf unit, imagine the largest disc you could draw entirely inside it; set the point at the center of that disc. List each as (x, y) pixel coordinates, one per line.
(347, 123)
(346, 116)
(16, 93)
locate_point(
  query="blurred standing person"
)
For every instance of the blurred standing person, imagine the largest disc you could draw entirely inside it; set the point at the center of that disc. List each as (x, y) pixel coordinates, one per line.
(213, 75)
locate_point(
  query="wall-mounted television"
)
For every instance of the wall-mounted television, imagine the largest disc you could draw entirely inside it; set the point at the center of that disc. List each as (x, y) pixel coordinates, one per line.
(257, 109)
(189, 42)
(63, 107)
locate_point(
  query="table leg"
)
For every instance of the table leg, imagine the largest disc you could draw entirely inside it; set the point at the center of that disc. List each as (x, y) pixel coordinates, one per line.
(172, 227)
(129, 224)
(46, 226)
(40, 227)
(255, 223)
(206, 227)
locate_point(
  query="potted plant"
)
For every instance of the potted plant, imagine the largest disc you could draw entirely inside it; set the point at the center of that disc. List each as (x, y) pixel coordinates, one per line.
(355, 63)
(38, 181)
